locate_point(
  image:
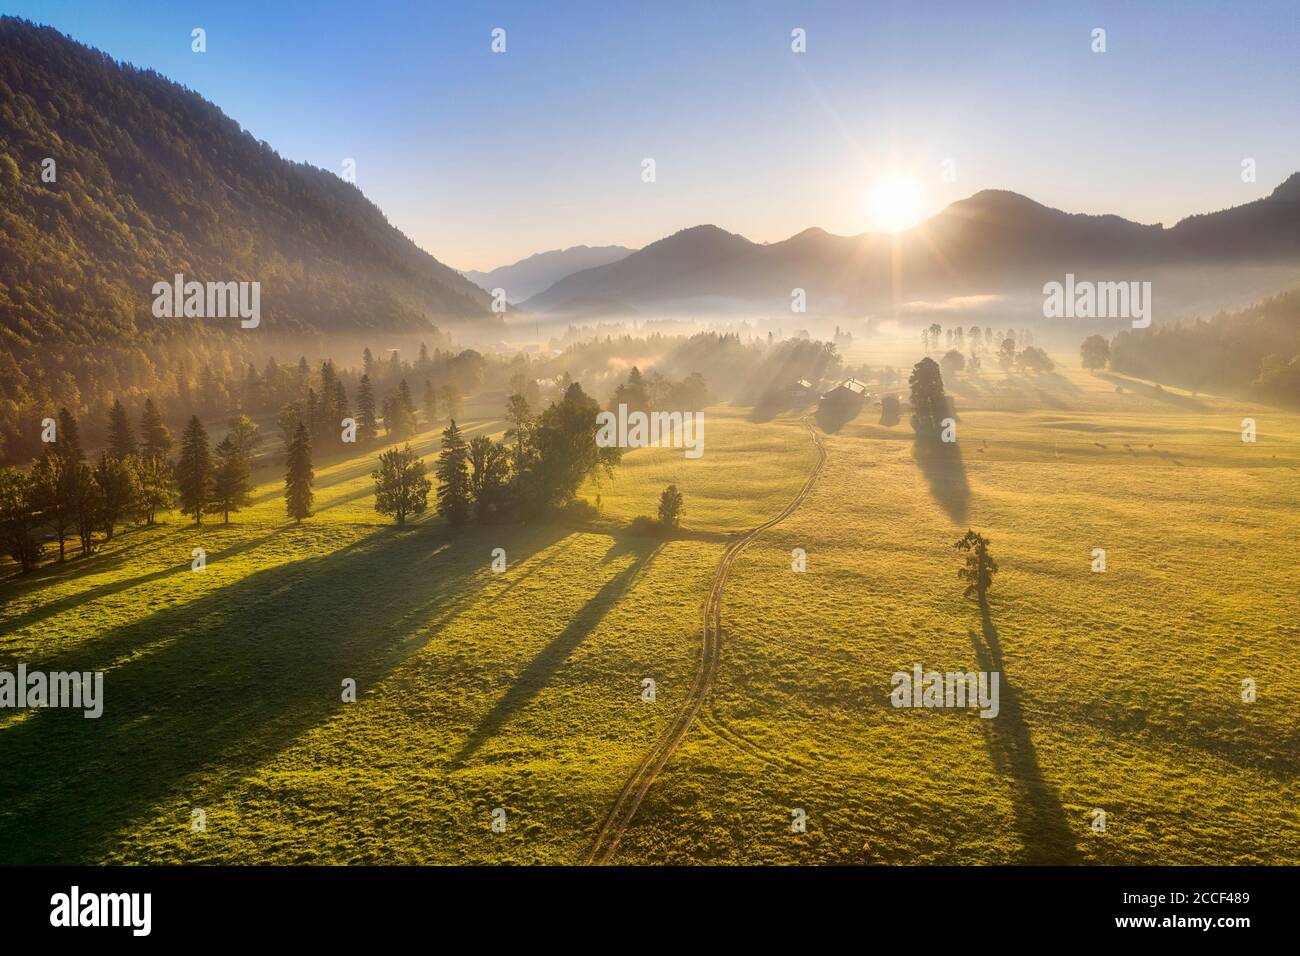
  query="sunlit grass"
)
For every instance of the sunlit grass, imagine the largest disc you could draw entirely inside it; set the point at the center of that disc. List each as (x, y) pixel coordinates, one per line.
(522, 691)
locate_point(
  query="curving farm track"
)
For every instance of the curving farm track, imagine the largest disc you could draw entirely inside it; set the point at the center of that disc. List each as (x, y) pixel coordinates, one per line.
(638, 784)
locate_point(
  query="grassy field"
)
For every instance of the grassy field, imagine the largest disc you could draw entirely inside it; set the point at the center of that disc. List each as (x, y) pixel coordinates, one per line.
(1121, 691)
(476, 690)
(522, 690)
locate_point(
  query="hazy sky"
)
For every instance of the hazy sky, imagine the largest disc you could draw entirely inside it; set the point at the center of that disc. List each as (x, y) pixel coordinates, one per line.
(485, 158)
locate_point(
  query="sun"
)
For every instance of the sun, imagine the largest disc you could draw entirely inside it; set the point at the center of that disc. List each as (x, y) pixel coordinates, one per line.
(895, 204)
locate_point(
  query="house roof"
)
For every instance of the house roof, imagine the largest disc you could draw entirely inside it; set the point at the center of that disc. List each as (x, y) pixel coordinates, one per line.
(802, 383)
(851, 385)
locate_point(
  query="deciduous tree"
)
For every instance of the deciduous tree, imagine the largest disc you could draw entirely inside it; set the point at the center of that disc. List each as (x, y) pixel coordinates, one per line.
(401, 488)
(980, 566)
(671, 507)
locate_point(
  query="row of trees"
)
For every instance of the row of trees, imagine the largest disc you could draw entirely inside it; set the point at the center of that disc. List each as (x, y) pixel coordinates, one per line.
(1030, 358)
(133, 480)
(1254, 351)
(213, 378)
(935, 337)
(654, 392)
(63, 495)
(537, 468)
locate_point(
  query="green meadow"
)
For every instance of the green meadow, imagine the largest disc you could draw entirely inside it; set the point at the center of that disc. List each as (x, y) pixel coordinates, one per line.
(522, 690)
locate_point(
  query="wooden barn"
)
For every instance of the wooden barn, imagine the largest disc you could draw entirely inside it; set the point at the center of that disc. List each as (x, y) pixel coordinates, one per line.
(847, 392)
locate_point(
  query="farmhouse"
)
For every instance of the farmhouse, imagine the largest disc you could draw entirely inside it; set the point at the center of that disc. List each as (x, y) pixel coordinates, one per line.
(847, 392)
(799, 390)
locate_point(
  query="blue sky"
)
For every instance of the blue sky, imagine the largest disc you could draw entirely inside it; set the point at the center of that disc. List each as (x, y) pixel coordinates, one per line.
(485, 158)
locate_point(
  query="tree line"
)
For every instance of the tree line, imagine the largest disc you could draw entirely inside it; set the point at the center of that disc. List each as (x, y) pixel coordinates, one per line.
(207, 376)
(1254, 351)
(535, 470)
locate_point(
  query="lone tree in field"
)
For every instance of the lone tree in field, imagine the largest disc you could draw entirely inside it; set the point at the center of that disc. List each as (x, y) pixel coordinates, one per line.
(952, 362)
(121, 440)
(1095, 352)
(1035, 360)
(980, 566)
(400, 486)
(671, 507)
(231, 484)
(298, 476)
(194, 470)
(453, 476)
(929, 404)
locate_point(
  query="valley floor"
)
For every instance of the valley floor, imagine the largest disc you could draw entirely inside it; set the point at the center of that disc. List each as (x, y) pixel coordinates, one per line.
(522, 691)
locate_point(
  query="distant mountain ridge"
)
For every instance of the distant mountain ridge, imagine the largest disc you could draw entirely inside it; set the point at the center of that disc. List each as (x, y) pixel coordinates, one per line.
(540, 271)
(152, 180)
(993, 241)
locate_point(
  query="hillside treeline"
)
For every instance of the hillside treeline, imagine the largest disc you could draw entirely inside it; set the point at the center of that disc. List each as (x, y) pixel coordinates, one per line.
(1254, 351)
(115, 178)
(197, 375)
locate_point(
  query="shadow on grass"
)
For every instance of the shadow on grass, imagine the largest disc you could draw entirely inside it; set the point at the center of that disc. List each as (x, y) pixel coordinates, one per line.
(942, 467)
(1040, 819)
(769, 406)
(218, 686)
(427, 445)
(542, 667)
(834, 414)
(1055, 381)
(1151, 391)
(109, 589)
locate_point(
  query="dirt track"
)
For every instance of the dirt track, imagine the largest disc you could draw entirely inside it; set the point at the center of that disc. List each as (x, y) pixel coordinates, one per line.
(638, 784)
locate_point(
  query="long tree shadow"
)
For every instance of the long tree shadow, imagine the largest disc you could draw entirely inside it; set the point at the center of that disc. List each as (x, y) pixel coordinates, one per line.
(216, 687)
(1040, 819)
(126, 542)
(426, 444)
(61, 605)
(1152, 391)
(834, 414)
(944, 471)
(542, 667)
(776, 402)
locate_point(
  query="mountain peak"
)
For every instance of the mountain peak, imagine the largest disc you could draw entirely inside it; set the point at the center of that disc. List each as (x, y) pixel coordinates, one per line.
(703, 236)
(998, 199)
(1289, 190)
